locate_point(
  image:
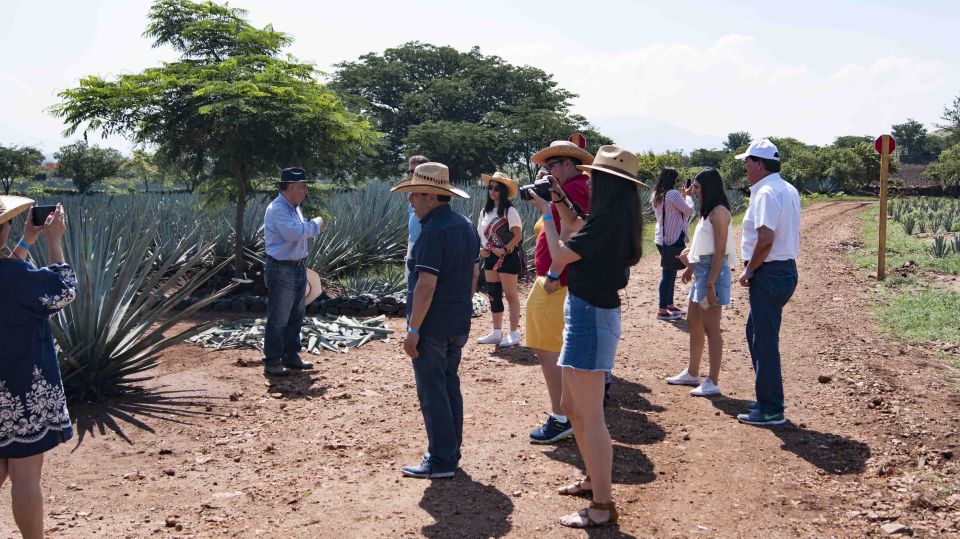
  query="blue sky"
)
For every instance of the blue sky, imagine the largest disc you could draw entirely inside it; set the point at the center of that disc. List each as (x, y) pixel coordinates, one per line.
(652, 75)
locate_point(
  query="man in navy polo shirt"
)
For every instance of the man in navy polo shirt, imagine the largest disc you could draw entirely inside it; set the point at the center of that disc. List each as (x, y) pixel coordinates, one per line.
(443, 274)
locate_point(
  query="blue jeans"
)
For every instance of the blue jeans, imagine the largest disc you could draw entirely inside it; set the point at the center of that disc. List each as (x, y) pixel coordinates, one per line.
(438, 389)
(668, 279)
(770, 289)
(286, 304)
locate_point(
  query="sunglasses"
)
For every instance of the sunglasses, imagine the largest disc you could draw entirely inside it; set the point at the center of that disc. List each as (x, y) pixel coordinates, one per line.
(491, 187)
(550, 164)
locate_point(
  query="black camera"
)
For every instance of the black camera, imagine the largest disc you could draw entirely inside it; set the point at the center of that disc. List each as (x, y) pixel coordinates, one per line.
(39, 214)
(541, 187)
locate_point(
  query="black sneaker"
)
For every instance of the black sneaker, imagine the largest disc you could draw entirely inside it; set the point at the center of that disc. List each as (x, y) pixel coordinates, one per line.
(551, 432)
(606, 394)
(424, 470)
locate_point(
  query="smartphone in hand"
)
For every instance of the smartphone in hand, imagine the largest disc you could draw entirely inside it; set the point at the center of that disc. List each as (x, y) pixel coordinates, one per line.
(40, 213)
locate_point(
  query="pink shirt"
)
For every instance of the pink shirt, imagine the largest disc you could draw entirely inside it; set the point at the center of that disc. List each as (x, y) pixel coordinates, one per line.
(678, 212)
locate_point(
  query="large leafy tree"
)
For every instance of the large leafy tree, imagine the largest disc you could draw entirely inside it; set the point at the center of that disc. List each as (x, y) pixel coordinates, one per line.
(86, 165)
(230, 100)
(737, 140)
(17, 161)
(911, 137)
(418, 88)
(946, 169)
(951, 118)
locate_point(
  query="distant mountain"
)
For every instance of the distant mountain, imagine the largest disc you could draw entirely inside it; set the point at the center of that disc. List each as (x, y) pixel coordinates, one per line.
(640, 134)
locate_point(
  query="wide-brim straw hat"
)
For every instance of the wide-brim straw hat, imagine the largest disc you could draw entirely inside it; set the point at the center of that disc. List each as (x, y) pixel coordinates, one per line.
(430, 178)
(512, 186)
(314, 286)
(616, 161)
(11, 206)
(562, 148)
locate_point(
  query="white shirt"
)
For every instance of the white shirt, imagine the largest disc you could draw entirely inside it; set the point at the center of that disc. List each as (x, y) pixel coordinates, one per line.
(513, 220)
(775, 204)
(703, 242)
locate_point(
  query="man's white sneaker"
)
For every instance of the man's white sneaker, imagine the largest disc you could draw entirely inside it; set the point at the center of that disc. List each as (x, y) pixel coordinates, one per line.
(706, 389)
(494, 337)
(512, 339)
(684, 379)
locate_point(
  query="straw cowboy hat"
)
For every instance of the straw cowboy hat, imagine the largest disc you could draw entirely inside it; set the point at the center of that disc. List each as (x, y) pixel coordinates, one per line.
(314, 288)
(616, 161)
(572, 148)
(11, 206)
(430, 178)
(512, 187)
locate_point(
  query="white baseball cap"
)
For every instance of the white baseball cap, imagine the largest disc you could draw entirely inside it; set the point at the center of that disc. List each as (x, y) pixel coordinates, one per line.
(763, 148)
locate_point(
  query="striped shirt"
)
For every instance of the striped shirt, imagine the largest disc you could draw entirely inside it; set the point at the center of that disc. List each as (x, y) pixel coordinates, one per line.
(678, 214)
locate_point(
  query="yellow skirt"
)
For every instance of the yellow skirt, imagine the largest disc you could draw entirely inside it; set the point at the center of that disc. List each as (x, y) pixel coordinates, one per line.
(544, 317)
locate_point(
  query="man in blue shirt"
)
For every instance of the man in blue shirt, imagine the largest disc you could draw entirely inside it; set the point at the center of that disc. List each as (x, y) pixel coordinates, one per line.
(285, 234)
(413, 223)
(443, 276)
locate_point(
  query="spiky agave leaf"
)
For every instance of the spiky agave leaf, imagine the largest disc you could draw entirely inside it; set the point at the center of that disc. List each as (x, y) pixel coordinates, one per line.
(114, 331)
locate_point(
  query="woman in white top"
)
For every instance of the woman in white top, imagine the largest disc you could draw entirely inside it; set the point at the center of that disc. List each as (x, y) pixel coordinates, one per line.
(708, 263)
(500, 235)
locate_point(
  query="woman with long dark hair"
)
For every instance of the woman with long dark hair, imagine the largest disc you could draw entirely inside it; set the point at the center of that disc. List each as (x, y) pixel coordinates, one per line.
(709, 257)
(500, 231)
(672, 209)
(599, 256)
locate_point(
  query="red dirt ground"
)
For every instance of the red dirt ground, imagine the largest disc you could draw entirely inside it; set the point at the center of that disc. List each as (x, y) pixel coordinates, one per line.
(218, 451)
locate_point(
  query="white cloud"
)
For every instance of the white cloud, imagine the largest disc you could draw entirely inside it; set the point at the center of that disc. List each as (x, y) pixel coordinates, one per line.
(736, 84)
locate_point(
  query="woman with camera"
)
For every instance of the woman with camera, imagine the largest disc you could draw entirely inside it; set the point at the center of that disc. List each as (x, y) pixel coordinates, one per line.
(34, 415)
(672, 209)
(708, 259)
(500, 238)
(599, 256)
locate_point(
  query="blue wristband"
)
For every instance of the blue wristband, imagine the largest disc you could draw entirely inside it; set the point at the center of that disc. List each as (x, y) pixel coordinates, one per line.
(413, 331)
(553, 276)
(548, 217)
(748, 273)
(26, 246)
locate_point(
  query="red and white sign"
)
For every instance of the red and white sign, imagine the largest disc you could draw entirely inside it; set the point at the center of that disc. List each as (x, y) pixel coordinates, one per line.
(893, 144)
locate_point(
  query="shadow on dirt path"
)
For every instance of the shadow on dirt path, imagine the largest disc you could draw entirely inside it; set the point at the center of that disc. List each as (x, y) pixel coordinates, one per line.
(463, 507)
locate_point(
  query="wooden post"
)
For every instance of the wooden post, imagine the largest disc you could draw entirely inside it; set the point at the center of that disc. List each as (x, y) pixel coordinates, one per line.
(884, 166)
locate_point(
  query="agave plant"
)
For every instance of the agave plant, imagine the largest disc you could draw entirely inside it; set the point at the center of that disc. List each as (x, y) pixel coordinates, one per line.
(909, 223)
(939, 248)
(112, 334)
(955, 243)
(381, 282)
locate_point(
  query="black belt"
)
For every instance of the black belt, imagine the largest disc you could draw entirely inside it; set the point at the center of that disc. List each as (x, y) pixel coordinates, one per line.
(294, 263)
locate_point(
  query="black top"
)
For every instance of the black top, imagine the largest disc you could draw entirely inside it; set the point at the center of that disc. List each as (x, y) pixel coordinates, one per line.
(602, 269)
(447, 247)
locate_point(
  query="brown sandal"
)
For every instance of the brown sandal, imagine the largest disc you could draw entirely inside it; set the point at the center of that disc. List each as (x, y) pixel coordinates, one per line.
(588, 522)
(575, 489)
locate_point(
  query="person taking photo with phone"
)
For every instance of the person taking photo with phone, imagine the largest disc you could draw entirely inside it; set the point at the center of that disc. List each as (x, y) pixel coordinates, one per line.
(599, 256)
(34, 416)
(672, 209)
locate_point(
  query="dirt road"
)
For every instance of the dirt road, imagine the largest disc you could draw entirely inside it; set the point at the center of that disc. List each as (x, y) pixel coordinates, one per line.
(319, 455)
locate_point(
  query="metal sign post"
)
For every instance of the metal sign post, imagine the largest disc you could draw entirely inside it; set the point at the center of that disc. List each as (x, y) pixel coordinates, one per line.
(885, 144)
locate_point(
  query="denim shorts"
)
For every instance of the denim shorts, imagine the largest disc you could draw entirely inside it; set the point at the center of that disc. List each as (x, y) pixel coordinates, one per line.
(701, 270)
(590, 335)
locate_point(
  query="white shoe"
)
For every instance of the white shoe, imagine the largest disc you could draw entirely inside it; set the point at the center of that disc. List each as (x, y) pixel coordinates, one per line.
(512, 339)
(706, 389)
(494, 337)
(684, 379)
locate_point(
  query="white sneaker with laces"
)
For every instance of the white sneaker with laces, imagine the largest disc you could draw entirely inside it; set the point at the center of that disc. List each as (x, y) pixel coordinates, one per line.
(512, 339)
(684, 379)
(494, 337)
(706, 389)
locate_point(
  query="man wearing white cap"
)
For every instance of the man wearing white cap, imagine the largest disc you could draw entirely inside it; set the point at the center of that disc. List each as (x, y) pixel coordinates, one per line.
(771, 242)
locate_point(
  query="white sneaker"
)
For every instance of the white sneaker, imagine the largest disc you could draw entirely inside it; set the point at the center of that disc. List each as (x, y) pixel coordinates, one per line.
(512, 339)
(706, 389)
(494, 337)
(684, 379)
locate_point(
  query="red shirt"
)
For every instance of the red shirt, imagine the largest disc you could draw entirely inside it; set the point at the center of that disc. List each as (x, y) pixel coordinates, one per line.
(578, 191)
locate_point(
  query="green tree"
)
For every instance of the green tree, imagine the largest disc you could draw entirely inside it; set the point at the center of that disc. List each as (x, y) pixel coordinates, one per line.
(911, 137)
(16, 162)
(466, 148)
(951, 118)
(702, 157)
(650, 164)
(230, 99)
(946, 169)
(86, 165)
(737, 140)
(142, 165)
(416, 83)
(851, 141)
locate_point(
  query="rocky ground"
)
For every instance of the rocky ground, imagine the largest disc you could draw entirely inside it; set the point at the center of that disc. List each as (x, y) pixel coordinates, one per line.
(216, 450)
